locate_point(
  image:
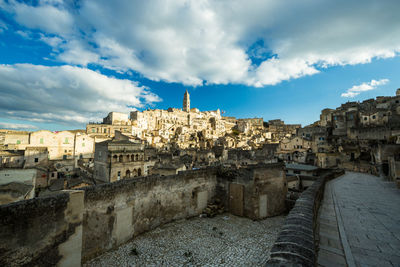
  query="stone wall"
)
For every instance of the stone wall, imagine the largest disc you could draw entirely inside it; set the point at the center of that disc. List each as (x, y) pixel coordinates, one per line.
(264, 182)
(116, 212)
(42, 231)
(295, 245)
(75, 226)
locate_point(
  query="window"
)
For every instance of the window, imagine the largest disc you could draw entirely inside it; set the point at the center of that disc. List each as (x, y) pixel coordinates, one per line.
(66, 140)
(41, 140)
(83, 144)
(18, 142)
(365, 118)
(296, 172)
(36, 159)
(52, 175)
(65, 151)
(93, 130)
(374, 117)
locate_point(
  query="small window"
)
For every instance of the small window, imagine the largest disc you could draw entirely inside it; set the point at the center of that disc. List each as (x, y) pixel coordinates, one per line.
(36, 159)
(41, 140)
(52, 175)
(365, 118)
(93, 130)
(65, 151)
(18, 142)
(105, 130)
(374, 117)
(83, 144)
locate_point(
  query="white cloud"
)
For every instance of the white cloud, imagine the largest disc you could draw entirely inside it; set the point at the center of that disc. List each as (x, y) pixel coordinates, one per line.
(366, 86)
(16, 126)
(65, 94)
(24, 34)
(46, 17)
(52, 41)
(197, 41)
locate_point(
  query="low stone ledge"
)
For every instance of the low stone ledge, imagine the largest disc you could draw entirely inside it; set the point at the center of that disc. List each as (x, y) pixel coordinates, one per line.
(295, 245)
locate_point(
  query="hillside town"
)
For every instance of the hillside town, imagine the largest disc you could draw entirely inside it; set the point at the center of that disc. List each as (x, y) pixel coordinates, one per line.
(362, 136)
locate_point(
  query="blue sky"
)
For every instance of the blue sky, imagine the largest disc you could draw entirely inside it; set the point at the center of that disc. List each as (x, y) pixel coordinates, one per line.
(65, 63)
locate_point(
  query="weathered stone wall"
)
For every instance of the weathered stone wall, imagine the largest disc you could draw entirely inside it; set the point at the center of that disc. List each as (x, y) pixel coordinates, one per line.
(74, 226)
(116, 212)
(295, 245)
(264, 182)
(42, 231)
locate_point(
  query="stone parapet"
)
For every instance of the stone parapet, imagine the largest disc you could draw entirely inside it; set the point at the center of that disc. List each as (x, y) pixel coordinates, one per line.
(295, 245)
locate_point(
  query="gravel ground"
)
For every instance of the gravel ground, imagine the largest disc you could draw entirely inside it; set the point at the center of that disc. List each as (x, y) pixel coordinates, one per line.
(224, 240)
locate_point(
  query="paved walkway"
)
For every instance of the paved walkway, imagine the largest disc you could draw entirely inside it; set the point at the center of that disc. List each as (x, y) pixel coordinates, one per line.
(359, 222)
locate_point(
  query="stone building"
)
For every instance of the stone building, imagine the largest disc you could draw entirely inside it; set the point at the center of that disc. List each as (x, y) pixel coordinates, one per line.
(184, 128)
(118, 159)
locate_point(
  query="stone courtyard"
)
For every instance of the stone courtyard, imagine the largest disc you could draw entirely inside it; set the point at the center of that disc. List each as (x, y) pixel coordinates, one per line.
(224, 240)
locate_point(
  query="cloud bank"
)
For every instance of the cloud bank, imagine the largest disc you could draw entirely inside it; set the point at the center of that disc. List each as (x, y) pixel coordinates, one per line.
(198, 41)
(366, 86)
(65, 94)
(16, 126)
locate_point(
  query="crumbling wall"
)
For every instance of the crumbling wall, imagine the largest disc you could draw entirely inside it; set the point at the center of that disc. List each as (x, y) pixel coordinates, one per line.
(264, 185)
(116, 212)
(74, 225)
(42, 231)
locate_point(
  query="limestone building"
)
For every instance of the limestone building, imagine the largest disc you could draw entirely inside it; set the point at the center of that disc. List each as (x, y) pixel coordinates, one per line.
(118, 159)
(183, 128)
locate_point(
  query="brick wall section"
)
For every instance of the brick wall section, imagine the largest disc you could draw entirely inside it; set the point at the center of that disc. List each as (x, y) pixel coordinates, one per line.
(295, 245)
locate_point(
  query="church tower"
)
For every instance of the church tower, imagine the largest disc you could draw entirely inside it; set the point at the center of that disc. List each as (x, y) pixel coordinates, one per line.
(186, 101)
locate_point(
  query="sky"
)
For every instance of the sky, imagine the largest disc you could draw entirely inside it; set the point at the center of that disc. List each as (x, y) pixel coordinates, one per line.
(66, 63)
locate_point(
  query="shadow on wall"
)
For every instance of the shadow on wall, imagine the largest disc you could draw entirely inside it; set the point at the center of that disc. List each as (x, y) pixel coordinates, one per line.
(79, 225)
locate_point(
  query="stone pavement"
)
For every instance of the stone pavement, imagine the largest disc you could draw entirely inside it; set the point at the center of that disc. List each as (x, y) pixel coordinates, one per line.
(359, 222)
(225, 240)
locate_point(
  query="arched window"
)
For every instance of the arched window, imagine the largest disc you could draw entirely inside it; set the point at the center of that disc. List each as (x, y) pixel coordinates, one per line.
(134, 173)
(137, 157)
(127, 157)
(132, 158)
(121, 158)
(139, 172)
(115, 158)
(128, 174)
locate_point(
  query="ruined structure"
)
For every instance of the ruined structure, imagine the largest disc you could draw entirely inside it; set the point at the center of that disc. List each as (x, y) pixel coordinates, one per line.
(69, 228)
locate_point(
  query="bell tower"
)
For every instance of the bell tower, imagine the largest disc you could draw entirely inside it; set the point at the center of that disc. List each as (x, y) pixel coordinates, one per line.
(186, 101)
